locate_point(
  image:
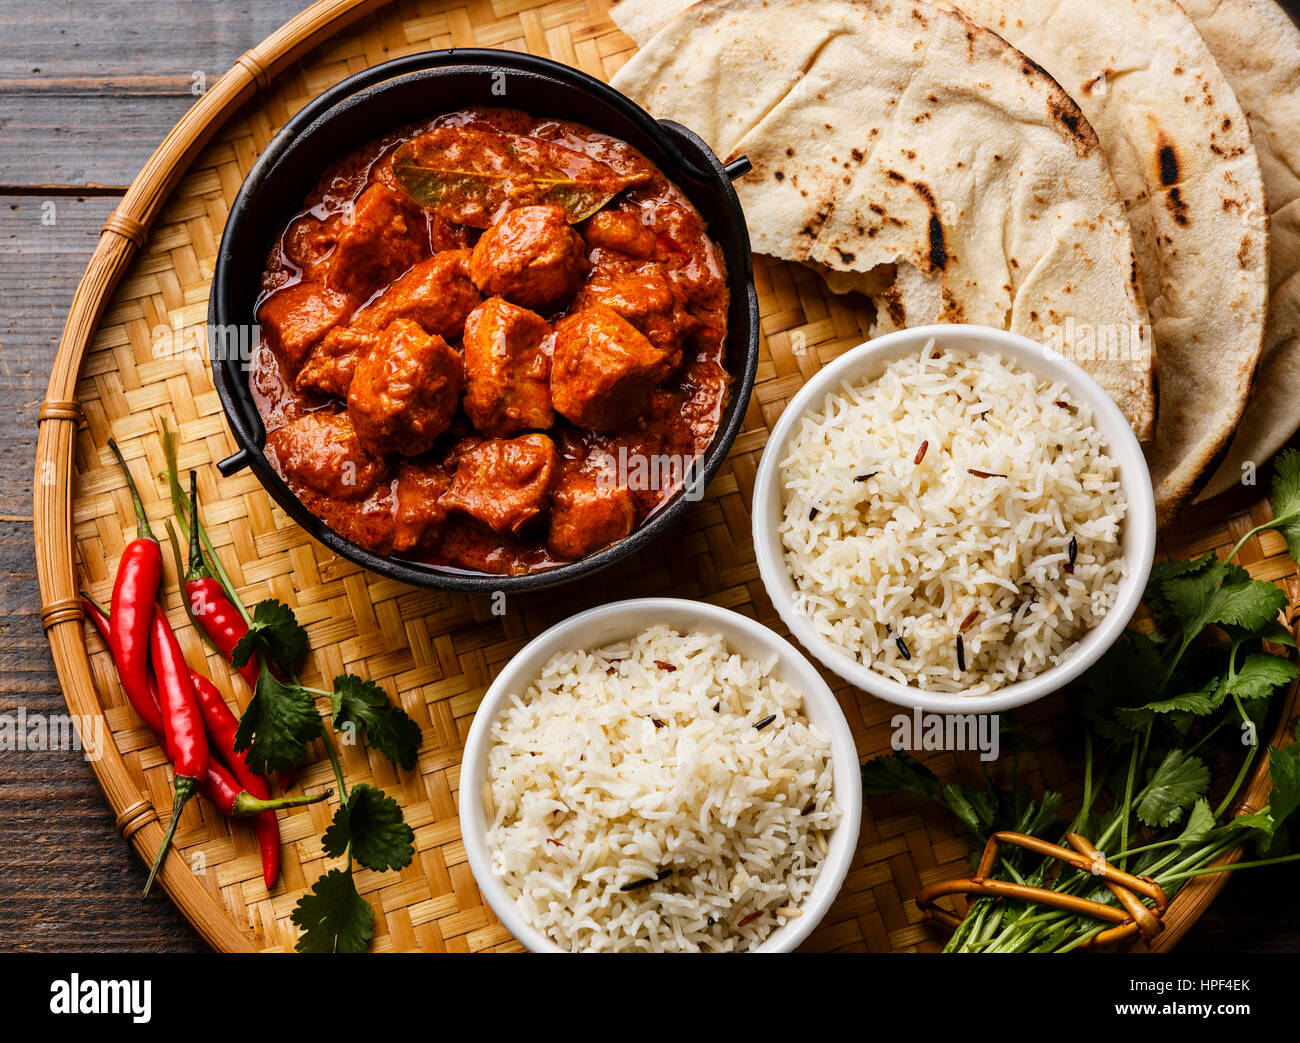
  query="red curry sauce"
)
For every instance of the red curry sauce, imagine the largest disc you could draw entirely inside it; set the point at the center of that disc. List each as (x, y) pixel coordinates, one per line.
(485, 383)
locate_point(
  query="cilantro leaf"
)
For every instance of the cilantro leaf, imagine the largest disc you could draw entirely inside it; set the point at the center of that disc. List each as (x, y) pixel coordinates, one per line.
(1037, 817)
(275, 729)
(1199, 823)
(1260, 675)
(1222, 593)
(1173, 788)
(898, 772)
(1165, 570)
(1275, 632)
(371, 821)
(1260, 825)
(274, 632)
(976, 809)
(1131, 665)
(1284, 798)
(1198, 704)
(334, 917)
(1286, 499)
(388, 728)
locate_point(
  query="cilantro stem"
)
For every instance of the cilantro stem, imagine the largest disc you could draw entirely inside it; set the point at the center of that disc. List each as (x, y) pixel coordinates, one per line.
(1208, 734)
(332, 751)
(1246, 765)
(1257, 863)
(1128, 798)
(181, 509)
(1273, 524)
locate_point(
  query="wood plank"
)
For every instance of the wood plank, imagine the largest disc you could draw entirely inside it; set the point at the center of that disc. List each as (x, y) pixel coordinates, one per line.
(88, 90)
(67, 880)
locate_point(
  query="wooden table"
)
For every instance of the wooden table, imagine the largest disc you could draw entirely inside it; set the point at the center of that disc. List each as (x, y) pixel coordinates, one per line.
(87, 90)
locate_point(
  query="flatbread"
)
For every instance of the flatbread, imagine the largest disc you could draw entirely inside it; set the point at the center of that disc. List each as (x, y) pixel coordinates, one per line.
(901, 145)
(1258, 48)
(1180, 148)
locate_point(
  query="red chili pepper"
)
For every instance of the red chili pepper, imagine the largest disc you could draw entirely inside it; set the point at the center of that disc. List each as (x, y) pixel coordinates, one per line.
(213, 611)
(135, 590)
(145, 704)
(220, 785)
(186, 742)
(222, 724)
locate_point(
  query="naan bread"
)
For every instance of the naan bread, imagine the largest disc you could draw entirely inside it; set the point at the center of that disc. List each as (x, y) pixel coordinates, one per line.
(1258, 48)
(1179, 146)
(923, 158)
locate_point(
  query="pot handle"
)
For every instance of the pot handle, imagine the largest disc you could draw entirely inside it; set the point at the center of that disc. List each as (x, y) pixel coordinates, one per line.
(738, 167)
(234, 463)
(689, 150)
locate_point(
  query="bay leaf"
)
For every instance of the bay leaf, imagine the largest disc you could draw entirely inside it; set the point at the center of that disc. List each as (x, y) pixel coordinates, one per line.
(474, 176)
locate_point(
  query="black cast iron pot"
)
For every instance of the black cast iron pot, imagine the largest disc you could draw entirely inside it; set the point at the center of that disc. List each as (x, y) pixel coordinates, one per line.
(407, 90)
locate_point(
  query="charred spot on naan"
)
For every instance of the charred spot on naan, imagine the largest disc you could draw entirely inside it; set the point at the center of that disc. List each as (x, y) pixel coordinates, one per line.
(938, 257)
(1168, 162)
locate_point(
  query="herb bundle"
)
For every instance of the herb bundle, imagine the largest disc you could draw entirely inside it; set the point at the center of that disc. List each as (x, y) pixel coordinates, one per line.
(1170, 734)
(274, 734)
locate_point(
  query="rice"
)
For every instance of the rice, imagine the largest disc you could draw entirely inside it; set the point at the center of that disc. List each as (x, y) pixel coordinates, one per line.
(956, 499)
(636, 805)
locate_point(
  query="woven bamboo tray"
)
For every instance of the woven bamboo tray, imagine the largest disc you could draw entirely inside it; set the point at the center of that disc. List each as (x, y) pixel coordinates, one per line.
(434, 653)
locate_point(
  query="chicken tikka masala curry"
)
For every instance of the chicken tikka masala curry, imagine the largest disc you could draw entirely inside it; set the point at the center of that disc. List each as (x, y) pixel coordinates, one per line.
(473, 327)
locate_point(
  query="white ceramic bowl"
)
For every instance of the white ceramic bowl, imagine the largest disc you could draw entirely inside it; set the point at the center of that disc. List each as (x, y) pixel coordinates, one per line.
(868, 361)
(623, 620)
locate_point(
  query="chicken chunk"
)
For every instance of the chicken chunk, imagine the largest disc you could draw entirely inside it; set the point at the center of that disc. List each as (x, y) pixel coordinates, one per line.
(386, 236)
(531, 257)
(405, 391)
(505, 484)
(436, 293)
(603, 369)
(619, 232)
(298, 316)
(418, 513)
(321, 451)
(507, 370)
(645, 296)
(588, 513)
(332, 362)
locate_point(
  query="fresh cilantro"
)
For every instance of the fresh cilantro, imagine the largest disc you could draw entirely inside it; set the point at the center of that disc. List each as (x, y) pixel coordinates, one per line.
(371, 822)
(1200, 823)
(1198, 704)
(1284, 798)
(1130, 669)
(975, 809)
(1277, 634)
(276, 634)
(1175, 786)
(334, 917)
(898, 772)
(1222, 593)
(1260, 676)
(1286, 500)
(281, 719)
(388, 728)
(1161, 571)
(279, 722)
